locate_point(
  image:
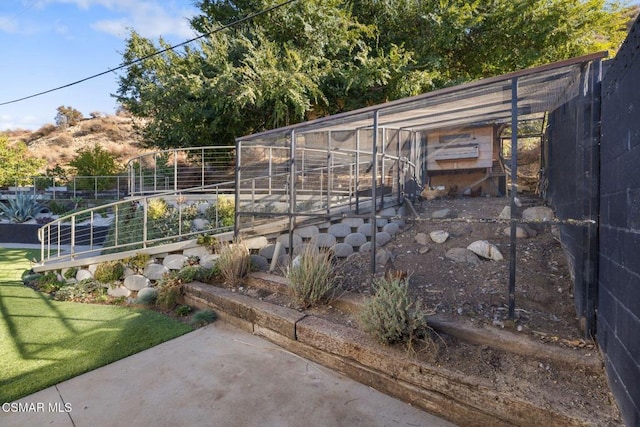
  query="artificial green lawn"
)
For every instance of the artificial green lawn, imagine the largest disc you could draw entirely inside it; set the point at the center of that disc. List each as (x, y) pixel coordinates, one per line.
(44, 342)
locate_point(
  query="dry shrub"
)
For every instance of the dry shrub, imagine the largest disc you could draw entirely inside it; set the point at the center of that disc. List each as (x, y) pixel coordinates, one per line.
(234, 262)
(45, 130)
(391, 315)
(63, 140)
(311, 276)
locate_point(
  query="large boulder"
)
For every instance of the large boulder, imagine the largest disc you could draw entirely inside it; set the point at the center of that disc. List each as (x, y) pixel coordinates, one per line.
(155, 271)
(356, 239)
(462, 255)
(538, 213)
(439, 236)
(135, 282)
(174, 261)
(209, 261)
(340, 230)
(486, 250)
(118, 291)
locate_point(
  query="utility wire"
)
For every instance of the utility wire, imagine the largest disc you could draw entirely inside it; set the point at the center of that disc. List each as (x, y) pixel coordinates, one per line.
(151, 55)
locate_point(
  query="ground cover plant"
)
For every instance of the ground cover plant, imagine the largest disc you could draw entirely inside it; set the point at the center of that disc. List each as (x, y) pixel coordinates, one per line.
(46, 341)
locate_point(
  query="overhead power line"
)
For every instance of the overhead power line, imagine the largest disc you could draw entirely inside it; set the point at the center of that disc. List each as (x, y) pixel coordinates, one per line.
(151, 55)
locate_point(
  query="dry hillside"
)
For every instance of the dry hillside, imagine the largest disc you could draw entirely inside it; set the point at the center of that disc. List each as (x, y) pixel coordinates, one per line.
(114, 133)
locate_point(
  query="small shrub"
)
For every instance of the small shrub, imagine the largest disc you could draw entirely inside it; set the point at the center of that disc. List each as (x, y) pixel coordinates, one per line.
(208, 241)
(147, 298)
(183, 310)
(138, 262)
(108, 272)
(234, 262)
(312, 278)
(42, 132)
(88, 290)
(58, 208)
(49, 283)
(203, 317)
(169, 291)
(391, 315)
(222, 214)
(156, 209)
(70, 273)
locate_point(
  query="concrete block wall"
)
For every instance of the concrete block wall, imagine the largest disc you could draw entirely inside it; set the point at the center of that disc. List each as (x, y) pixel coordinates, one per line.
(619, 253)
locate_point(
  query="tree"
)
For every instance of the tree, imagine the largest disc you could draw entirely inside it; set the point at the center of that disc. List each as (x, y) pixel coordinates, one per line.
(17, 166)
(95, 161)
(318, 57)
(67, 116)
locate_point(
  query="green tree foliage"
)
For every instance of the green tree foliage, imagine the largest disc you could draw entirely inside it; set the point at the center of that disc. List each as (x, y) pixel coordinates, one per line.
(17, 166)
(95, 161)
(318, 57)
(67, 116)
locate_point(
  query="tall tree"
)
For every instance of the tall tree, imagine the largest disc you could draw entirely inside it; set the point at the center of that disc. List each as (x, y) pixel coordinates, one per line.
(317, 57)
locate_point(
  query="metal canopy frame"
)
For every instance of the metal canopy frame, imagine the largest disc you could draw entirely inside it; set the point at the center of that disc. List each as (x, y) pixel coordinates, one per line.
(540, 89)
(507, 99)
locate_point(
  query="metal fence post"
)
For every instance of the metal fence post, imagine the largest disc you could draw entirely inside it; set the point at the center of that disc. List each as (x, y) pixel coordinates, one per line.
(514, 192)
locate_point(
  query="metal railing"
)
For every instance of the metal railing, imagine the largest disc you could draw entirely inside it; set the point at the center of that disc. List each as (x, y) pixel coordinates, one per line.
(138, 222)
(112, 187)
(262, 192)
(179, 169)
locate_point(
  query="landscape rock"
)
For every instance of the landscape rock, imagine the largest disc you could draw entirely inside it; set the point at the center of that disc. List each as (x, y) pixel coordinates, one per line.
(199, 224)
(267, 251)
(382, 238)
(256, 243)
(381, 222)
(119, 291)
(365, 229)
(391, 228)
(209, 261)
(399, 222)
(342, 250)
(521, 233)
(198, 251)
(128, 271)
(313, 248)
(421, 238)
(356, 239)
(439, 236)
(423, 250)
(365, 248)
(174, 261)
(259, 262)
(506, 213)
(538, 213)
(485, 250)
(83, 274)
(382, 256)
(155, 271)
(203, 207)
(324, 240)
(136, 282)
(442, 213)
(284, 239)
(340, 230)
(388, 212)
(306, 232)
(352, 222)
(462, 255)
(142, 293)
(92, 268)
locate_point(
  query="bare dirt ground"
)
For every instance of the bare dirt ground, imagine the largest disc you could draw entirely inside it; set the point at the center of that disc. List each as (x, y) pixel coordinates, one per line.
(478, 294)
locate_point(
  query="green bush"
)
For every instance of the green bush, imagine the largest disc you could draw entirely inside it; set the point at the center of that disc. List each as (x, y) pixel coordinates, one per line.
(203, 317)
(391, 315)
(137, 262)
(49, 282)
(94, 161)
(156, 209)
(183, 310)
(222, 214)
(88, 290)
(109, 272)
(311, 276)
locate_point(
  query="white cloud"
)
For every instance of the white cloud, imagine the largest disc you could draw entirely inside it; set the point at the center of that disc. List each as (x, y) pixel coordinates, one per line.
(8, 25)
(151, 18)
(11, 122)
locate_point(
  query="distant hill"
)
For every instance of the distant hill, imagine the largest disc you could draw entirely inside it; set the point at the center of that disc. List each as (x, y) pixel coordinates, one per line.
(114, 133)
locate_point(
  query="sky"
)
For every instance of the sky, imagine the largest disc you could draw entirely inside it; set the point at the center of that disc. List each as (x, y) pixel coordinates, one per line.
(49, 43)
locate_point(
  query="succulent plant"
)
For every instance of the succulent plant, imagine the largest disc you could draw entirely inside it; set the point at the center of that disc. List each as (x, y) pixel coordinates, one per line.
(22, 207)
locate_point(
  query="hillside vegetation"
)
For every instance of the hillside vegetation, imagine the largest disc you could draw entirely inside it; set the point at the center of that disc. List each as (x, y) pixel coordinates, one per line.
(58, 145)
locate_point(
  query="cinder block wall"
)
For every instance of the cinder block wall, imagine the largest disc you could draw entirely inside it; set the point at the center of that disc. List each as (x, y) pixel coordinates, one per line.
(619, 254)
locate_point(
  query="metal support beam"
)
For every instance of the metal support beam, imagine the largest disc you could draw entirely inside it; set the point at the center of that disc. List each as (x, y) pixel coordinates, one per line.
(374, 175)
(514, 193)
(292, 191)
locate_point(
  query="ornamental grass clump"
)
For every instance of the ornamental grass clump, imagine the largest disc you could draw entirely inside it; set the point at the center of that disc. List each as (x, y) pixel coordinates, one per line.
(234, 262)
(311, 277)
(391, 315)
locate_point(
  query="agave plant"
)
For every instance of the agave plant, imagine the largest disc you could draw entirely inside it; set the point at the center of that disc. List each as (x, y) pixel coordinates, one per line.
(22, 207)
